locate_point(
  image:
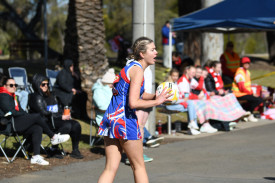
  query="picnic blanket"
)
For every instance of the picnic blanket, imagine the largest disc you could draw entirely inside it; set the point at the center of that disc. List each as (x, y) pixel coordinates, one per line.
(269, 114)
(226, 108)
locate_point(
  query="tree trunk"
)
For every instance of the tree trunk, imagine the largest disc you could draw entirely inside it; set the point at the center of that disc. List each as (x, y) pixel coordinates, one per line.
(192, 42)
(270, 36)
(84, 42)
(212, 44)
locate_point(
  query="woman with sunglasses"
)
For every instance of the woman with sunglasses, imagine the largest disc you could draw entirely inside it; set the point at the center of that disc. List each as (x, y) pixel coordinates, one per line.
(26, 124)
(44, 102)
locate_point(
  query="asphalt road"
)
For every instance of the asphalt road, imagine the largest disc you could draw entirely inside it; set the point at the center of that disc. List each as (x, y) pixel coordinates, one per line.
(241, 156)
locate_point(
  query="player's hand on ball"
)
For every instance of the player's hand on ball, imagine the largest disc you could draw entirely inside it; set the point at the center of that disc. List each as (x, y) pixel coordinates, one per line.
(164, 95)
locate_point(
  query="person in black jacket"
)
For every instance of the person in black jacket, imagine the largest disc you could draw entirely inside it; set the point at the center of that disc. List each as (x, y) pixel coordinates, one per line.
(45, 103)
(213, 81)
(68, 91)
(26, 124)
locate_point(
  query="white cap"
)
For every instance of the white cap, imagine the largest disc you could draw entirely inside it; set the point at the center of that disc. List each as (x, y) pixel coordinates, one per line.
(109, 76)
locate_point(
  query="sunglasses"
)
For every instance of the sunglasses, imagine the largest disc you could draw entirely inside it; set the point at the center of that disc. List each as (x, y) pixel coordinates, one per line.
(12, 85)
(44, 84)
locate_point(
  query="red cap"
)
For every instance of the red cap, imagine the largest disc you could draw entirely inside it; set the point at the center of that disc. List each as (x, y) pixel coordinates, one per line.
(245, 60)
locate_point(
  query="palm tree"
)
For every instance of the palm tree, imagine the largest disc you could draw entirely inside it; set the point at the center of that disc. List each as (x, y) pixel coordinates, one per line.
(85, 39)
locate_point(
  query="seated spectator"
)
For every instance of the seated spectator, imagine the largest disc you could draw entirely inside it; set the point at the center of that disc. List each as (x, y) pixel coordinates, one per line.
(216, 103)
(226, 109)
(44, 102)
(179, 62)
(187, 104)
(27, 124)
(102, 93)
(173, 76)
(176, 60)
(213, 81)
(242, 88)
(68, 91)
(197, 83)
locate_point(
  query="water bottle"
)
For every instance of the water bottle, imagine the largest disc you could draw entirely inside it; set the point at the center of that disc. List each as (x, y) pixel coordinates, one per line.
(159, 127)
(66, 111)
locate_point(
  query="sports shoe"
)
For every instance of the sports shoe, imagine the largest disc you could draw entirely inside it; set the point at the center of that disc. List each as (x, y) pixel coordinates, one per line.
(76, 154)
(147, 159)
(37, 159)
(127, 162)
(154, 140)
(207, 128)
(54, 153)
(154, 145)
(232, 125)
(251, 118)
(192, 131)
(193, 125)
(58, 138)
(245, 119)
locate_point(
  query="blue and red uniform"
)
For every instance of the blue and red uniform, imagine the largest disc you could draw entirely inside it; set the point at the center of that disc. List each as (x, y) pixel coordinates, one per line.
(120, 121)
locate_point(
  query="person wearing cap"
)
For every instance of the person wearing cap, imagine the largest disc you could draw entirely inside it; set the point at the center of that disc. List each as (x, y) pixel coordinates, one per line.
(102, 93)
(241, 88)
(230, 61)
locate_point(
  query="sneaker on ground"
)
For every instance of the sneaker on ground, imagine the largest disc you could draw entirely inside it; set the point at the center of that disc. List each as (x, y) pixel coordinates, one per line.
(150, 142)
(58, 138)
(76, 154)
(154, 140)
(192, 131)
(245, 119)
(232, 126)
(193, 125)
(127, 162)
(251, 118)
(39, 160)
(147, 159)
(154, 145)
(54, 153)
(207, 128)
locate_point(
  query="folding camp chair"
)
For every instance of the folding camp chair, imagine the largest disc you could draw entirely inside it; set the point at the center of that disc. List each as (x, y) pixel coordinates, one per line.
(9, 131)
(20, 76)
(51, 74)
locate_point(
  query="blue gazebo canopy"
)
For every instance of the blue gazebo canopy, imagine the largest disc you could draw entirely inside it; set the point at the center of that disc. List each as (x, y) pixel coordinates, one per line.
(230, 16)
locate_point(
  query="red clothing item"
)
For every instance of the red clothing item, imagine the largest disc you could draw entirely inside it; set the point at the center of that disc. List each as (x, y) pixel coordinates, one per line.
(4, 90)
(178, 62)
(200, 85)
(243, 89)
